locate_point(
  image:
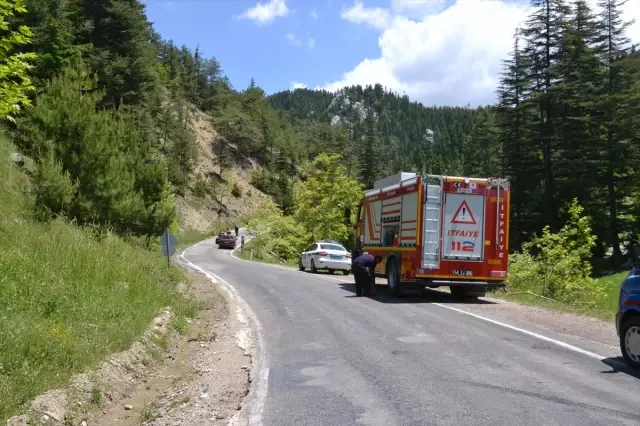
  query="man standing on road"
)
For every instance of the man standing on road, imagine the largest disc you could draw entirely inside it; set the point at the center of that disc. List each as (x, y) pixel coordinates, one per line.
(364, 273)
(236, 229)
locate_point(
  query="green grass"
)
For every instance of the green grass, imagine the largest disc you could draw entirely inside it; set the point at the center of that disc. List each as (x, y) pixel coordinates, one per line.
(190, 237)
(605, 308)
(260, 256)
(611, 284)
(67, 297)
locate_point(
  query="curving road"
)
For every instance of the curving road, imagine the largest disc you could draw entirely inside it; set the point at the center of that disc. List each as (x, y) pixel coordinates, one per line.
(334, 359)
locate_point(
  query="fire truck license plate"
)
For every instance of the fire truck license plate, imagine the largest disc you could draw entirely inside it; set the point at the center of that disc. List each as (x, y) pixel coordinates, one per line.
(461, 273)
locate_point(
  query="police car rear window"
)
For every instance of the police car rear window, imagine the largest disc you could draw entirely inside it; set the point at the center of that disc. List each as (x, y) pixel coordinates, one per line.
(332, 247)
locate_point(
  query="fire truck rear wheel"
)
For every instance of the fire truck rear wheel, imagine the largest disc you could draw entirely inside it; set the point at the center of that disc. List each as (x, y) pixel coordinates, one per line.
(393, 277)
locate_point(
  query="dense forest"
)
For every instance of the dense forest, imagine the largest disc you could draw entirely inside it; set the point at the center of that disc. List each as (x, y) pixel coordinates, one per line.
(110, 121)
(566, 124)
(403, 135)
(105, 105)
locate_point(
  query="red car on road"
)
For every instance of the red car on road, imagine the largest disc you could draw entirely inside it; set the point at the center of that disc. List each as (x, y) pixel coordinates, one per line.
(227, 241)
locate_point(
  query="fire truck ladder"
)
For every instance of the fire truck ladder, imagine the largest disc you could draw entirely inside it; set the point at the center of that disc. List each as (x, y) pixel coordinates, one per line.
(431, 238)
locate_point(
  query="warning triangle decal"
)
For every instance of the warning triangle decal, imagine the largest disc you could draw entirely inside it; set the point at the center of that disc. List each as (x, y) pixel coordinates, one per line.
(463, 215)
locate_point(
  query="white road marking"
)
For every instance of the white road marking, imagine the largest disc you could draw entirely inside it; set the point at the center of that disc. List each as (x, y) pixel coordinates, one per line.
(556, 342)
(559, 343)
(261, 379)
(527, 332)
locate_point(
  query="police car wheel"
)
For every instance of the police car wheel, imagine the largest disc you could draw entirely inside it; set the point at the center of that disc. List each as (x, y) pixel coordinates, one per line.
(346, 272)
(313, 267)
(300, 264)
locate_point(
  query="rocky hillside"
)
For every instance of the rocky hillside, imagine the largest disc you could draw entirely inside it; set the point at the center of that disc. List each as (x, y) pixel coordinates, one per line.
(211, 197)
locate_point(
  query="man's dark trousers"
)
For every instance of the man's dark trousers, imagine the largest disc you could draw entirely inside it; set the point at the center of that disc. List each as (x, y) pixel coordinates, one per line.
(363, 280)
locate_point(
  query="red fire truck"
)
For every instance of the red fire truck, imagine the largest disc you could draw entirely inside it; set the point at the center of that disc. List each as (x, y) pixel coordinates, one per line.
(434, 231)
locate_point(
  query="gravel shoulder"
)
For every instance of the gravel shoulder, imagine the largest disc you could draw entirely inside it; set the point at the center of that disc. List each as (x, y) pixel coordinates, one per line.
(566, 323)
(207, 375)
(599, 335)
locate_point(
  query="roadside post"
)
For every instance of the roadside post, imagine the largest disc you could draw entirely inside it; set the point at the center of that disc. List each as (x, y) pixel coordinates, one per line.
(242, 244)
(168, 245)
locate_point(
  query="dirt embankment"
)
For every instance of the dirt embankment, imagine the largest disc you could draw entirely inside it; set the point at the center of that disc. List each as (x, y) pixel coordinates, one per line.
(182, 372)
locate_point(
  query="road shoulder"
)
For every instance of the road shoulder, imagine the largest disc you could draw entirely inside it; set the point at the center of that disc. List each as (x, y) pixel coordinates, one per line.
(194, 373)
(589, 333)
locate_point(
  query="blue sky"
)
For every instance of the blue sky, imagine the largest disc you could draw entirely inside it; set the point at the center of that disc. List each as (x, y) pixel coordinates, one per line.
(439, 52)
(264, 52)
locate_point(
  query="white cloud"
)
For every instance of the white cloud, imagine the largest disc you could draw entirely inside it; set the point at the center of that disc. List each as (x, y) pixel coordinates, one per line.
(295, 41)
(376, 17)
(416, 8)
(632, 10)
(314, 15)
(297, 85)
(445, 57)
(264, 13)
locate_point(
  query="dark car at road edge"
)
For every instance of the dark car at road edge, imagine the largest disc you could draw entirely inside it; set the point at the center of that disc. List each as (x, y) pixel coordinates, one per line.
(226, 241)
(628, 315)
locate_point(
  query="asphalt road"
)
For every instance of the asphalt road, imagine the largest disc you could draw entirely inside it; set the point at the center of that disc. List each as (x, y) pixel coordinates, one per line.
(334, 359)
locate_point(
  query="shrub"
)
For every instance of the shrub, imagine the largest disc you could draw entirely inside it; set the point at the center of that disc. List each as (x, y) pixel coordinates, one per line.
(201, 187)
(556, 265)
(236, 191)
(53, 188)
(276, 233)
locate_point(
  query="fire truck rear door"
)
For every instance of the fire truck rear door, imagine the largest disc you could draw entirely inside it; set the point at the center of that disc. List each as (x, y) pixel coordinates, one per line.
(463, 226)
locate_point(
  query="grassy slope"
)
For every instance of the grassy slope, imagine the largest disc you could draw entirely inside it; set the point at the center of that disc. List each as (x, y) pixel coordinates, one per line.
(67, 298)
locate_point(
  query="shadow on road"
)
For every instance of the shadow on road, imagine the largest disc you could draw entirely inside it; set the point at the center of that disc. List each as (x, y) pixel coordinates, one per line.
(618, 365)
(323, 272)
(417, 296)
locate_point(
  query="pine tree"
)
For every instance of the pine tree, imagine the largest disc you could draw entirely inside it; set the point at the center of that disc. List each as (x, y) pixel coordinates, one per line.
(122, 54)
(482, 151)
(100, 156)
(520, 160)
(370, 154)
(54, 40)
(543, 32)
(580, 76)
(613, 46)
